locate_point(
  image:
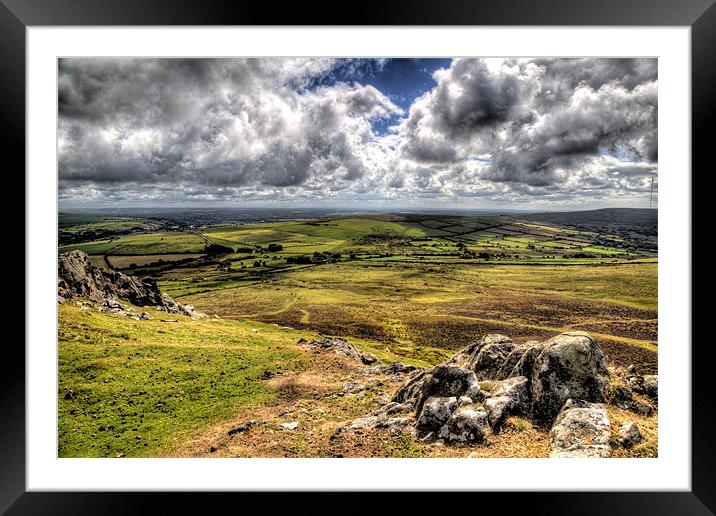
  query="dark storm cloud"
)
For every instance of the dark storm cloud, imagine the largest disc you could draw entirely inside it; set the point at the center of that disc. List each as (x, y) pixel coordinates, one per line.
(286, 129)
(539, 120)
(223, 122)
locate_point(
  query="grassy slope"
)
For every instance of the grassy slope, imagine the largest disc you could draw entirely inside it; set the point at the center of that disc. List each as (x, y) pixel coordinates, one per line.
(139, 387)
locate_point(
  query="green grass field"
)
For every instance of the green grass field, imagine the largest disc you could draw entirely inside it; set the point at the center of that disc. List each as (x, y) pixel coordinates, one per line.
(140, 387)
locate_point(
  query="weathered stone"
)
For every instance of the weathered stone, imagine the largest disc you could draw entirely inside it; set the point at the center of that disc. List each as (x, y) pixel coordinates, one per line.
(581, 430)
(492, 357)
(243, 427)
(435, 413)
(629, 435)
(353, 387)
(497, 408)
(341, 347)
(514, 388)
(525, 364)
(394, 408)
(506, 397)
(396, 368)
(512, 359)
(443, 380)
(484, 357)
(466, 424)
(291, 425)
(394, 424)
(622, 397)
(571, 365)
(641, 408)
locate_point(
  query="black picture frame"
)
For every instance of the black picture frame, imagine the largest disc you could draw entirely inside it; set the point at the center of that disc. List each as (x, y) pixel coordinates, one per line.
(700, 15)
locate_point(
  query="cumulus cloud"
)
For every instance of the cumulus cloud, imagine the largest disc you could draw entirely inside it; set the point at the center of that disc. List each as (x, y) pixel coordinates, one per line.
(540, 121)
(513, 130)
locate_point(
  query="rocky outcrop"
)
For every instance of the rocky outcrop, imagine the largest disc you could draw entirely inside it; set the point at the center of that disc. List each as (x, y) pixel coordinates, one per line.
(561, 383)
(570, 365)
(581, 430)
(79, 278)
(340, 347)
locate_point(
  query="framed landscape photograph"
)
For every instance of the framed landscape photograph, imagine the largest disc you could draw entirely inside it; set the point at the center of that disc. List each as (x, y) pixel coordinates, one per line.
(371, 257)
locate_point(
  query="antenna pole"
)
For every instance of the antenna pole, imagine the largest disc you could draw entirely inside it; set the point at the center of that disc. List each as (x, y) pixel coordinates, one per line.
(651, 194)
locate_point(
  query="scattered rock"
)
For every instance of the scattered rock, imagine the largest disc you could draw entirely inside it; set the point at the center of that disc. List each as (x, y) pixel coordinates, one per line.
(641, 408)
(243, 427)
(292, 425)
(581, 430)
(570, 365)
(396, 368)
(650, 386)
(622, 397)
(353, 387)
(629, 435)
(340, 347)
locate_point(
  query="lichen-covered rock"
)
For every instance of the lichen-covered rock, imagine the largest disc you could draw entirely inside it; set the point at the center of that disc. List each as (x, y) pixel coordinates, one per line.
(497, 408)
(508, 368)
(466, 424)
(525, 364)
(581, 429)
(514, 388)
(629, 435)
(570, 365)
(484, 357)
(434, 414)
(507, 397)
(492, 356)
(442, 380)
(641, 408)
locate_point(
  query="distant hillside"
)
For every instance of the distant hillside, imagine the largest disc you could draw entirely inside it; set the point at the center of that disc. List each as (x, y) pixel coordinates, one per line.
(642, 220)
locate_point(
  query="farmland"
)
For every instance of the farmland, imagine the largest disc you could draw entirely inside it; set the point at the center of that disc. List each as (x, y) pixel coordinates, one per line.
(409, 287)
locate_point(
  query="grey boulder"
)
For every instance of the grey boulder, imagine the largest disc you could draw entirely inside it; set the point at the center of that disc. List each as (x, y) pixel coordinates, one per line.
(581, 430)
(629, 435)
(466, 424)
(570, 365)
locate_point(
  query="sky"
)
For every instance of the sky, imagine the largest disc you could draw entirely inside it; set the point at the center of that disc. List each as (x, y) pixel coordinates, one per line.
(473, 133)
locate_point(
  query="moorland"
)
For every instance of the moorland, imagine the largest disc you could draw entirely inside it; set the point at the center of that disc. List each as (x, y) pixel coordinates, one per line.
(407, 287)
